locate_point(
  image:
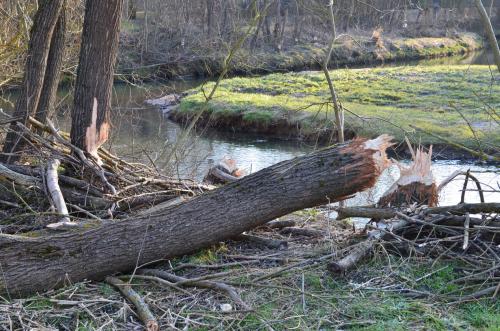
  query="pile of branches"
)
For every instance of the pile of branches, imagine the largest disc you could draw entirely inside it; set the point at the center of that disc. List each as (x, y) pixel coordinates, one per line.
(58, 179)
(466, 233)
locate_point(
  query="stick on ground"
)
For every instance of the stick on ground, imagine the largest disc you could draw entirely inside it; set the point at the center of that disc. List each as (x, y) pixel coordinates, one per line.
(142, 308)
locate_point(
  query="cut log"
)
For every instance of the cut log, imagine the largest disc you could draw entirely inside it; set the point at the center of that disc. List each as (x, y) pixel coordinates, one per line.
(34, 264)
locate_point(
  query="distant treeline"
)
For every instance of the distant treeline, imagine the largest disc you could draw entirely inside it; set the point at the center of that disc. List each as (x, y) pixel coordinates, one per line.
(156, 31)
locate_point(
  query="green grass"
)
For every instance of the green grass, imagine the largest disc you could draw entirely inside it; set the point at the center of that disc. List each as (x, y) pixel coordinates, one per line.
(387, 99)
(360, 300)
(339, 301)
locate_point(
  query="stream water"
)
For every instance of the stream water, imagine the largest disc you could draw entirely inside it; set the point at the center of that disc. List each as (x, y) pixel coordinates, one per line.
(142, 133)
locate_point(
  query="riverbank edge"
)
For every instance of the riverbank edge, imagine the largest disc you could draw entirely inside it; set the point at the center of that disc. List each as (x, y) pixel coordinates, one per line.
(286, 131)
(358, 51)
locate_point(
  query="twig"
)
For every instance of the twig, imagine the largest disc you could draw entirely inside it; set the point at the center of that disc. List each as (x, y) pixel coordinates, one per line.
(142, 308)
(201, 283)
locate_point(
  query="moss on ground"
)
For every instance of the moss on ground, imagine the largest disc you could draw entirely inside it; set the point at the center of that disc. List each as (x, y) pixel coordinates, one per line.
(441, 99)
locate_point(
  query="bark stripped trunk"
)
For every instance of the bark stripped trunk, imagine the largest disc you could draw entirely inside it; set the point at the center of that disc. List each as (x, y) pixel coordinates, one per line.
(36, 64)
(92, 103)
(46, 105)
(37, 264)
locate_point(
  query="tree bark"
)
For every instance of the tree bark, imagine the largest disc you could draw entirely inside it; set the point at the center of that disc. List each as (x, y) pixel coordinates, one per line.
(36, 64)
(34, 264)
(46, 105)
(92, 103)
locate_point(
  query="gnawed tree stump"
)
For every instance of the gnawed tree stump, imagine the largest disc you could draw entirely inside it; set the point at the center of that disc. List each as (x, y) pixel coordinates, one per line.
(416, 183)
(31, 264)
(223, 172)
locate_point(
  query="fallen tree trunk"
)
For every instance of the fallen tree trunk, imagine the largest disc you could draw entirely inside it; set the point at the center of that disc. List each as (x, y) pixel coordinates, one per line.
(31, 265)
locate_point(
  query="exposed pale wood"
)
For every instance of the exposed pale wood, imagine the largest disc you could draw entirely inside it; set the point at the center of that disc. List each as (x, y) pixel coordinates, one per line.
(416, 183)
(56, 196)
(36, 264)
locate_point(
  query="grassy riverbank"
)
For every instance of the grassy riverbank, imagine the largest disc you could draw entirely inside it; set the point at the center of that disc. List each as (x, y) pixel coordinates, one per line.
(456, 102)
(362, 49)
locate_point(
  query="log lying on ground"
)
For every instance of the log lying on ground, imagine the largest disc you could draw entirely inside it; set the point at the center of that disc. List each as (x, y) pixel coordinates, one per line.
(31, 265)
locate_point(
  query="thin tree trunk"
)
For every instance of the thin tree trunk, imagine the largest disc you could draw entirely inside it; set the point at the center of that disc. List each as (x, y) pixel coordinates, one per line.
(46, 105)
(210, 8)
(91, 110)
(36, 64)
(490, 33)
(337, 107)
(31, 264)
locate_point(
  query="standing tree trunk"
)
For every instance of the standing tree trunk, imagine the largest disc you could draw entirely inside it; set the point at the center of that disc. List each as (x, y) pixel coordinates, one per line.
(209, 22)
(337, 107)
(36, 64)
(46, 105)
(92, 103)
(132, 10)
(490, 33)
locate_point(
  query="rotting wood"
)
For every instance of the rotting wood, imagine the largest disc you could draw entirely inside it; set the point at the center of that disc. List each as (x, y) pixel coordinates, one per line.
(31, 265)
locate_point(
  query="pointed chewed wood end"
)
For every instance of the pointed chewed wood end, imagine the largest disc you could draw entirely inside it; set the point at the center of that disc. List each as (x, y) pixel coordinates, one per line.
(96, 136)
(369, 158)
(416, 184)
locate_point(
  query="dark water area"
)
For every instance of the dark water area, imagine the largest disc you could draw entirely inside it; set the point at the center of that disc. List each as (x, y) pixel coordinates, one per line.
(142, 133)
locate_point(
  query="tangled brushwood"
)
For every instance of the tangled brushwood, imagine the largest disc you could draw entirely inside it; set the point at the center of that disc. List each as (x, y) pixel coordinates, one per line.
(415, 226)
(57, 179)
